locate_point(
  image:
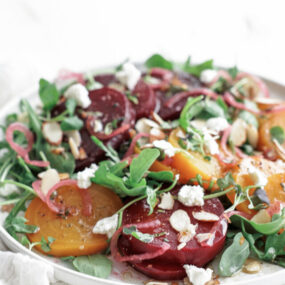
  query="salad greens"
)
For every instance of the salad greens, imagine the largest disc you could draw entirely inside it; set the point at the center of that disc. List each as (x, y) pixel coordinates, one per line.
(132, 178)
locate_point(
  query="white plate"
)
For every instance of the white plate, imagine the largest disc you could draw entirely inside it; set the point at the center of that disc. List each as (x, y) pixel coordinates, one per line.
(123, 274)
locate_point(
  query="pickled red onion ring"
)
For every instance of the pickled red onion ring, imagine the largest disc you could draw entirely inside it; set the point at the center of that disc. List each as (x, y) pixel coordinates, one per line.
(21, 151)
(85, 196)
(195, 92)
(101, 136)
(164, 75)
(262, 86)
(231, 101)
(130, 150)
(37, 187)
(224, 140)
(239, 153)
(275, 109)
(65, 74)
(136, 257)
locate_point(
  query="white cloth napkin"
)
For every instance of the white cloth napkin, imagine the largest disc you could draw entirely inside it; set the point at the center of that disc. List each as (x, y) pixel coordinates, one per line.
(18, 269)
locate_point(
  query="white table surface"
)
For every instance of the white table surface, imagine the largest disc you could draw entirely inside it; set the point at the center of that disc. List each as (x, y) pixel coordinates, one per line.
(37, 37)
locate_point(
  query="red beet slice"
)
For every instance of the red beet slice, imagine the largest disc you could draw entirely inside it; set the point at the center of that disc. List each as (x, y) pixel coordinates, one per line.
(170, 264)
(109, 106)
(146, 100)
(105, 79)
(173, 112)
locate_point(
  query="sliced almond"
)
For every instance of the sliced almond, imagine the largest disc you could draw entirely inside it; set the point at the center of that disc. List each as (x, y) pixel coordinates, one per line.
(97, 126)
(157, 118)
(52, 132)
(252, 135)
(145, 125)
(50, 178)
(238, 132)
(58, 150)
(186, 236)
(63, 176)
(251, 266)
(279, 149)
(203, 237)
(261, 217)
(82, 154)
(205, 216)
(75, 135)
(180, 221)
(181, 245)
(74, 149)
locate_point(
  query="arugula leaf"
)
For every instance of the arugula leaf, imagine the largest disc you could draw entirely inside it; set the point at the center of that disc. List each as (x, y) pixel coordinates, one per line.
(19, 225)
(198, 68)
(247, 149)
(71, 124)
(189, 112)
(70, 105)
(34, 120)
(277, 133)
(11, 118)
(19, 206)
(214, 109)
(151, 199)
(221, 85)
(146, 238)
(249, 118)
(95, 265)
(233, 72)
(164, 176)
(49, 94)
(234, 256)
(64, 163)
(273, 249)
(158, 60)
(277, 223)
(45, 245)
(110, 152)
(226, 182)
(141, 164)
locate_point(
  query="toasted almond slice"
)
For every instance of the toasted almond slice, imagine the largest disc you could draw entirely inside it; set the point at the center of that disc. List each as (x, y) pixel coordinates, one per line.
(251, 266)
(205, 216)
(180, 221)
(58, 150)
(97, 126)
(252, 135)
(238, 132)
(73, 147)
(52, 132)
(203, 237)
(82, 153)
(75, 135)
(50, 178)
(187, 235)
(145, 125)
(261, 217)
(181, 245)
(63, 176)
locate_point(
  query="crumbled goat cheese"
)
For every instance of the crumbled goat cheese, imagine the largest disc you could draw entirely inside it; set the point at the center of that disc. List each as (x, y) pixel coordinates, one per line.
(218, 124)
(84, 177)
(205, 216)
(191, 195)
(198, 276)
(210, 144)
(208, 75)
(257, 176)
(80, 93)
(167, 201)
(167, 147)
(129, 75)
(106, 226)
